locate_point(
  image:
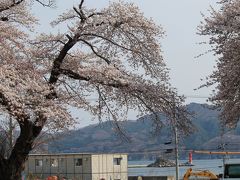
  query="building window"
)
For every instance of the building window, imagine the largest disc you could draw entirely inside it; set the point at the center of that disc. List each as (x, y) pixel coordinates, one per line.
(117, 161)
(38, 162)
(54, 163)
(78, 162)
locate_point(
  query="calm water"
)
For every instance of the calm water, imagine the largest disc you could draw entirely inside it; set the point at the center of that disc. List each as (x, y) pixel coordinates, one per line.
(213, 165)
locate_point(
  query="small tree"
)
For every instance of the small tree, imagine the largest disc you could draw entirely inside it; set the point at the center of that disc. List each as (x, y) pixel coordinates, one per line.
(112, 54)
(223, 28)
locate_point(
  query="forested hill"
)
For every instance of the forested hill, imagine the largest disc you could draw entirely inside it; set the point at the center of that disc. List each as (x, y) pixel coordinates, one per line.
(103, 138)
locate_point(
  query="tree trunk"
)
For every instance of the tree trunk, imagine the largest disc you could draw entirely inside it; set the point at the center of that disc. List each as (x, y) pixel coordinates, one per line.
(11, 168)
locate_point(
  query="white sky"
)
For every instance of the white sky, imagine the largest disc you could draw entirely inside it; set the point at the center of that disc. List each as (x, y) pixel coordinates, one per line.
(179, 18)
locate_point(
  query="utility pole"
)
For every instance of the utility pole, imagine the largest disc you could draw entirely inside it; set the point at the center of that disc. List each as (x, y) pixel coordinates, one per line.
(176, 151)
(176, 138)
(223, 146)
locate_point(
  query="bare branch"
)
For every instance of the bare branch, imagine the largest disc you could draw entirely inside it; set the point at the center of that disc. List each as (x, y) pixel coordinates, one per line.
(119, 130)
(95, 14)
(104, 38)
(49, 4)
(80, 12)
(75, 9)
(58, 61)
(81, 4)
(73, 75)
(95, 52)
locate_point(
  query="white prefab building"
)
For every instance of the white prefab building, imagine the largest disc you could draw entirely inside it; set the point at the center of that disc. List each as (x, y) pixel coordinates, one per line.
(78, 166)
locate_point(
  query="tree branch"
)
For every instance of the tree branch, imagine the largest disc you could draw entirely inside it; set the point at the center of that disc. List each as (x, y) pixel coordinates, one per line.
(59, 60)
(73, 75)
(75, 9)
(80, 12)
(81, 4)
(95, 14)
(77, 76)
(50, 3)
(94, 51)
(116, 124)
(15, 3)
(104, 38)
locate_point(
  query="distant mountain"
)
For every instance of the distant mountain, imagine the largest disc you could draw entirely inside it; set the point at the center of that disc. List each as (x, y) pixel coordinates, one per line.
(103, 137)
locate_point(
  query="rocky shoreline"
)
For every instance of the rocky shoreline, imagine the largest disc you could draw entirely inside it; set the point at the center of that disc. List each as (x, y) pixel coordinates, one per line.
(161, 162)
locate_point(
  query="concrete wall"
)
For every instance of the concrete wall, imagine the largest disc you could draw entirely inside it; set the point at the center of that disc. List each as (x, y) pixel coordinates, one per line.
(103, 167)
(78, 166)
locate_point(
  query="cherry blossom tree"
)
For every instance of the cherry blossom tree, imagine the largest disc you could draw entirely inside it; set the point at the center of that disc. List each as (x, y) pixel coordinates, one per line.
(223, 28)
(112, 54)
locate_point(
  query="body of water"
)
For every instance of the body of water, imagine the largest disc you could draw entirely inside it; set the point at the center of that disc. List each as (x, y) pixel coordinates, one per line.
(213, 165)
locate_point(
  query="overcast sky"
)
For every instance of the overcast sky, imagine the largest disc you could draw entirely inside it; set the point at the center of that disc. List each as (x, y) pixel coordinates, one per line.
(180, 20)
